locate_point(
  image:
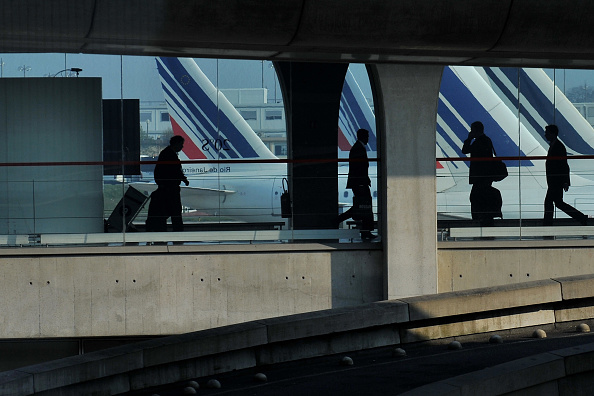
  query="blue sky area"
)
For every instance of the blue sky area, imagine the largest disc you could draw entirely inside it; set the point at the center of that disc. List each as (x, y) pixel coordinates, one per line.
(137, 77)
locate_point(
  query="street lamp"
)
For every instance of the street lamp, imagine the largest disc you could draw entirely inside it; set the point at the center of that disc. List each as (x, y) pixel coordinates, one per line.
(24, 69)
(71, 70)
(271, 66)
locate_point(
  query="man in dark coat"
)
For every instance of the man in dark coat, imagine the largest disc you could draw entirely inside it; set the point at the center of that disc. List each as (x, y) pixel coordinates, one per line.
(166, 200)
(359, 181)
(557, 171)
(485, 200)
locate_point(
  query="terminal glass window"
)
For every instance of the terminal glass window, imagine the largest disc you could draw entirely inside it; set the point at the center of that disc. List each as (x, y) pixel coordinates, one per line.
(97, 186)
(515, 105)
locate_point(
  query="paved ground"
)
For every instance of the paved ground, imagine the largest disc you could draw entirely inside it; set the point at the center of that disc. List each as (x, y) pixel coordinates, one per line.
(378, 372)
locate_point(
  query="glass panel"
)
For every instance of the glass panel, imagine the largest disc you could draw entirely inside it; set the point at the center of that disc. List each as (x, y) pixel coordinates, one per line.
(227, 128)
(234, 153)
(356, 112)
(532, 99)
(576, 135)
(466, 193)
(55, 184)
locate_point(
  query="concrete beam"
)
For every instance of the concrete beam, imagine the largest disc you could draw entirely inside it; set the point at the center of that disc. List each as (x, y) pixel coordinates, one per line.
(330, 321)
(565, 371)
(573, 287)
(482, 300)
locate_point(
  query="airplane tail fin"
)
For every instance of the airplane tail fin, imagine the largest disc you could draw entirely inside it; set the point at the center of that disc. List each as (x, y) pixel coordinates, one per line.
(355, 113)
(466, 97)
(541, 102)
(210, 124)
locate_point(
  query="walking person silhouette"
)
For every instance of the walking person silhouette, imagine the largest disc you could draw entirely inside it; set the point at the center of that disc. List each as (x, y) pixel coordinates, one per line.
(485, 200)
(557, 171)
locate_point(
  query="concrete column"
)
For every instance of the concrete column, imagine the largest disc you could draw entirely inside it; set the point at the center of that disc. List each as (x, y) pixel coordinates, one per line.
(312, 101)
(406, 98)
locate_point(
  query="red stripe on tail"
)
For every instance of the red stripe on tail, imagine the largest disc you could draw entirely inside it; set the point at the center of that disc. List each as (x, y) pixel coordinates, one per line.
(343, 143)
(190, 149)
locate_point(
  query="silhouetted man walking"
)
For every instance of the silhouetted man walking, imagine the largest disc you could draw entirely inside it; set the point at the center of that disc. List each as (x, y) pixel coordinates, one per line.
(166, 200)
(485, 200)
(557, 171)
(359, 181)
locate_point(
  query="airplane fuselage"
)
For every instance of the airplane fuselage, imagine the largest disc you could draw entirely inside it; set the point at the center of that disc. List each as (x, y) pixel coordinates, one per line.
(247, 192)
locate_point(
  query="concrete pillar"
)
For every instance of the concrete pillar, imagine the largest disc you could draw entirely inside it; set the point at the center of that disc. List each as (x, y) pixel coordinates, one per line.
(406, 98)
(312, 100)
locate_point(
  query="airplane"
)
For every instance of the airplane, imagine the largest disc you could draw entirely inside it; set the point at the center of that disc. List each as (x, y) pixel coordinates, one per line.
(214, 130)
(540, 102)
(466, 96)
(471, 97)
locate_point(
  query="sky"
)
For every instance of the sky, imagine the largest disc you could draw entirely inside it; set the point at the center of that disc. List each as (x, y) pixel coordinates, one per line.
(136, 76)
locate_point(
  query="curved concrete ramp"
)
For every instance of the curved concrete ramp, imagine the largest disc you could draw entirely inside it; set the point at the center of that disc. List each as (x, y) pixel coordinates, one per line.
(566, 371)
(398, 322)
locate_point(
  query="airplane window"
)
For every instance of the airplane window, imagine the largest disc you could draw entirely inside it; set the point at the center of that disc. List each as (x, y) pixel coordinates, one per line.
(375, 194)
(346, 194)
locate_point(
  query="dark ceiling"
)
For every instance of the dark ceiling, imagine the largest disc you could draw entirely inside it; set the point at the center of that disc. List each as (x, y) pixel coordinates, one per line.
(543, 33)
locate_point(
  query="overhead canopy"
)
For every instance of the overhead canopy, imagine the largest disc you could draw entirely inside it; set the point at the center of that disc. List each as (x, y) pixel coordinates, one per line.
(487, 32)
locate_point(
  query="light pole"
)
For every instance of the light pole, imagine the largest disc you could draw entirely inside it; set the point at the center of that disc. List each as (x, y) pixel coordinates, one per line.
(70, 73)
(24, 69)
(1, 68)
(271, 66)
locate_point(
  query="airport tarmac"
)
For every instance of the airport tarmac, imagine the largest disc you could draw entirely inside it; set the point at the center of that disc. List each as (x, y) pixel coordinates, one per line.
(379, 372)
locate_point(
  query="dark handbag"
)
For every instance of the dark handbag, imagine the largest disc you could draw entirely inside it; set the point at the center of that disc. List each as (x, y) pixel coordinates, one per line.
(285, 200)
(498, 169)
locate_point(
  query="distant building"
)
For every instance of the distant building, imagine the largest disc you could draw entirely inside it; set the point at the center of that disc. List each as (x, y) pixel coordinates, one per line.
(266, 117)
(154, 118)
(587, 111)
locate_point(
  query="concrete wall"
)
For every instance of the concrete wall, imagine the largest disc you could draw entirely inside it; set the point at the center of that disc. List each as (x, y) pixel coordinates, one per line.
(468, 265)
(145, 291)
(206, 353)
(157, 294)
